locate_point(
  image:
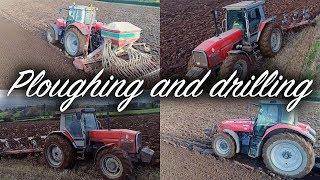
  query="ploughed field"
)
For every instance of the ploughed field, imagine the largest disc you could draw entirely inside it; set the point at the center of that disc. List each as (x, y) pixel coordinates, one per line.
(185, 24)
(148, 125)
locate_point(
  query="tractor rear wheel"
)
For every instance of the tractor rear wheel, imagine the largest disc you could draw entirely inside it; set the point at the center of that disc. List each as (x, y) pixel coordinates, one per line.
(223, 145)
(51, 35)
(74, 42)
(270, 41)
(114, 163)
(239, 62)
(59, 153)
(289, 155)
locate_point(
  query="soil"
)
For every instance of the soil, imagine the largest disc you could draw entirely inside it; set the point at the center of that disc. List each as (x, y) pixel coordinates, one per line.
(24, 46)
(187, 119)
(185, 24)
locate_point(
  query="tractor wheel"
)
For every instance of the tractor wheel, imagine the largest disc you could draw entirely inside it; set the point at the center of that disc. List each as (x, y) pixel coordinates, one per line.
(114, 163)
(289, 155)
(270, 41)
(74, 42)
(223, 145)
(51, 35)
(59, 153)
(239, 62)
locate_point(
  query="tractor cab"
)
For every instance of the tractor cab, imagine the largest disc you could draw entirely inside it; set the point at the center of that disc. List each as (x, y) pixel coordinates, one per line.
(81, 14)
(271, 113)
(245, 15)
(78, 123)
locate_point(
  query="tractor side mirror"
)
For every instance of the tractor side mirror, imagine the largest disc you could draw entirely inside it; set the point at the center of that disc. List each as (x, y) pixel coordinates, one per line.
(224, 25)
(107, 120)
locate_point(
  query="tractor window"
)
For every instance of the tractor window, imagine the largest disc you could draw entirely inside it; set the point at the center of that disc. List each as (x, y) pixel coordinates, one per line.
(235, 19)
(267, 116)
(73, 125)
(254, 18)
(76, 15)
(90, 17)
(288, 117)
(90, 122)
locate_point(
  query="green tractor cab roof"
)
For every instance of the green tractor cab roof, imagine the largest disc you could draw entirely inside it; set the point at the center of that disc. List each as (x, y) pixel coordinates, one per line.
(81, 7)
(244, 5)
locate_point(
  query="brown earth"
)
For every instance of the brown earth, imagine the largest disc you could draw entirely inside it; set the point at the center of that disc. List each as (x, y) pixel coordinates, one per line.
(23, 42)
(185, 24)
(187, 119)
(148, 125)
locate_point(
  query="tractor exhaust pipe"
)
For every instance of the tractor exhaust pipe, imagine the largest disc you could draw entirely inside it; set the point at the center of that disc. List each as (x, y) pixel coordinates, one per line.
(215, 21)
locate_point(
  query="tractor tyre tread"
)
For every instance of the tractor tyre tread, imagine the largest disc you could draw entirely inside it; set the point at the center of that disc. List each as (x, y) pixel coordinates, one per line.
(67, 149)
(227, 66)
(53, 41)
(124, 158)
(231, 142)
(307, 146)
(265, 40)
(81, 38)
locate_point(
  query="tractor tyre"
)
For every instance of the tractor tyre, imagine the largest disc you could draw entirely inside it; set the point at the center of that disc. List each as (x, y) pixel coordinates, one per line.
(289, 155)
(51, 35)
(240, 62)
(59, 152)
(224, 145)
(74, 42)
(270, 41)
(114, 163)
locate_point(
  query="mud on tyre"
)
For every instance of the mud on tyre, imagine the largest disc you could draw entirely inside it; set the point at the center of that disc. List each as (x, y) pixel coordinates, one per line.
(239, 62)
(74, 42)
(270, 41)
(114, 163)
(289, 155)
(223, 145)
(58, 152)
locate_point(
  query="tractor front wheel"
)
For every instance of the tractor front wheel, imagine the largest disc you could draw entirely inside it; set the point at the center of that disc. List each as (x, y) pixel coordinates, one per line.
(289, 155)
(51, 35)
(223, 145)
(270, 41)
(114, 163)
(236, 62)
(59, 153)
(74, 42)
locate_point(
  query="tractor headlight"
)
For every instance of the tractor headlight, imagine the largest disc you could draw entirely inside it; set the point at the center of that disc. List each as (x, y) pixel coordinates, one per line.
(200, 59)
(138, 141)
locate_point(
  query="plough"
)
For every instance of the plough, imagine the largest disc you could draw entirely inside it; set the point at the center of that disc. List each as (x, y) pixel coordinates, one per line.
(16, 146)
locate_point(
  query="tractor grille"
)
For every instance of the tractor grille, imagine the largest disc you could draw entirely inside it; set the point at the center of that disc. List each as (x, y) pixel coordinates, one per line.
(200, 59)
(138, 141)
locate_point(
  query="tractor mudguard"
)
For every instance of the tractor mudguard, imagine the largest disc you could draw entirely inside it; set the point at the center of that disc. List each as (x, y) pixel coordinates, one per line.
(263, 24)
(56, 31)
(64, 134)
(81, 27)
(236, 138)
(102, 148)
(240, 52)
(280, 128)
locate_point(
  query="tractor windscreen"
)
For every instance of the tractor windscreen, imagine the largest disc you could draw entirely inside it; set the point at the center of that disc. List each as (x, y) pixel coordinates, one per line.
(90, 17)
(90, 122)
(76, 15)
(235, 19)
(288, 117)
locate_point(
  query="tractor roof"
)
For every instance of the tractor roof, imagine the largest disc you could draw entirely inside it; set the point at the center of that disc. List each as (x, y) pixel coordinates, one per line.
(88, 8)
(272, 102)
(244, 5)
(79, 110)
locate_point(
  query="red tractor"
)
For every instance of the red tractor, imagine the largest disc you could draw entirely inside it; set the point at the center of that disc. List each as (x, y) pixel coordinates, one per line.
(247, 36)
(79, 32)
(81, 137)
(285, 145)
